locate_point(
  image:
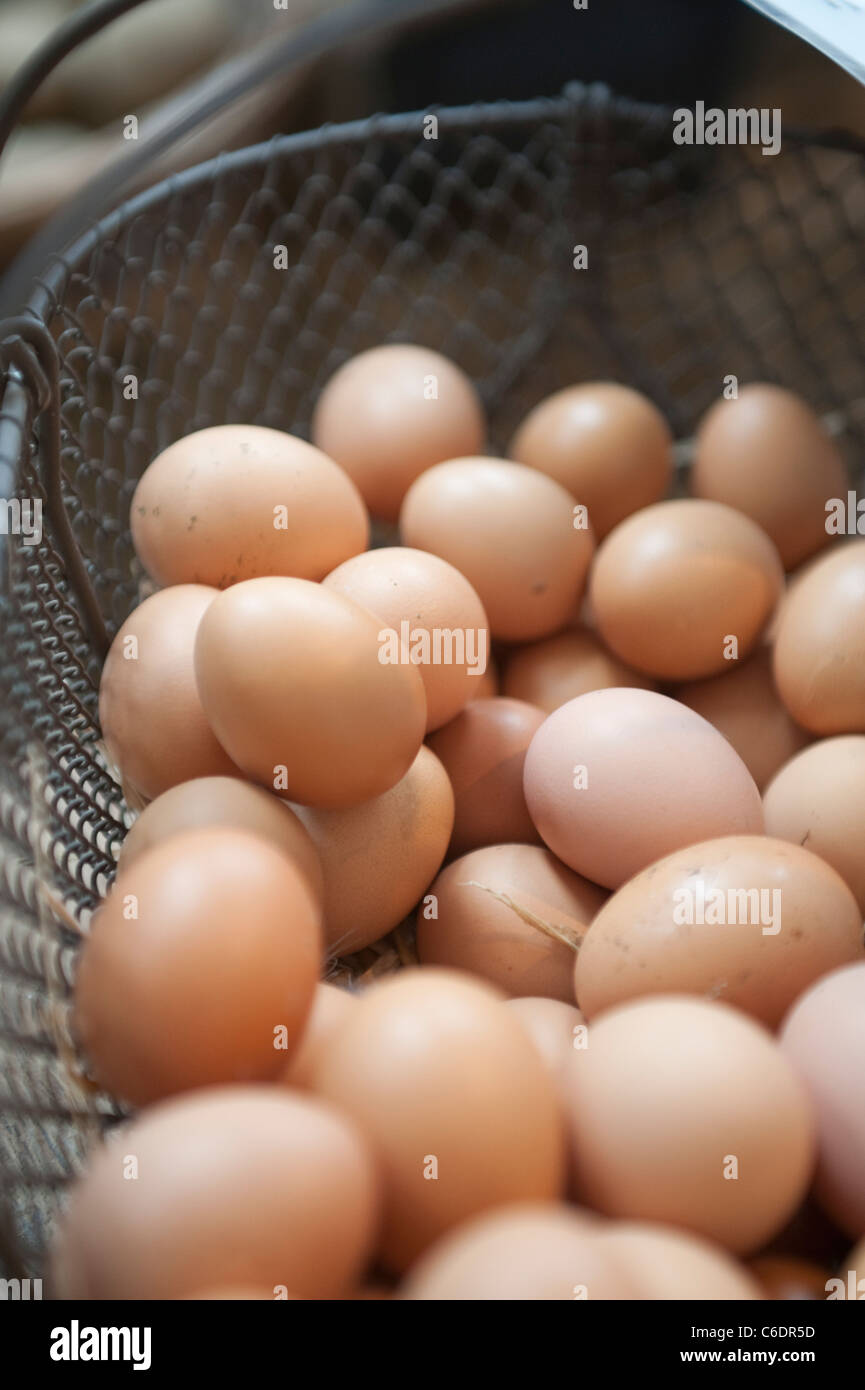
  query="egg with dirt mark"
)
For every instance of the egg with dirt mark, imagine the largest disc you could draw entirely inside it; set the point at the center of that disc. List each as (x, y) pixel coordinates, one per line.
(746, 919)
(236, 502)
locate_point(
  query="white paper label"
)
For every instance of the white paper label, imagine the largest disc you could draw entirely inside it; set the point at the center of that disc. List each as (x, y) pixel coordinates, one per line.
(836, 27)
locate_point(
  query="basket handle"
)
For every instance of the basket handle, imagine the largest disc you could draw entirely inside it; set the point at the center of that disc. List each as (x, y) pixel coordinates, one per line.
(332, 31)
(68, 36)
(25, 342)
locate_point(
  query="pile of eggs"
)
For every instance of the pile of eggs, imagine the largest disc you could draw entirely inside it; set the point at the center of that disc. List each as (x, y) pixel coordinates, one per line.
(590, 756)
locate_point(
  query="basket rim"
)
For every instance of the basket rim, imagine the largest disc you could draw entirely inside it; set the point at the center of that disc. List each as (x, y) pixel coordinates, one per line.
(587, 106)
(594, 99)
(502, 112)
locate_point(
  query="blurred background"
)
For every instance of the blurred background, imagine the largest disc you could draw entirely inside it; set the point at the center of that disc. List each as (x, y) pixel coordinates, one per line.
(154, 61)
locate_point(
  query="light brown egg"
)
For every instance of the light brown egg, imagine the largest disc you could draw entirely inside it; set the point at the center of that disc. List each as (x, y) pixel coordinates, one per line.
(684, 587)
(482, 752)
(557, 669)
(820, 644)
(745, 707)
(459, 1109)
(516, 535)
(746, 919)
(200, 966)
(290, 677)
(787, 1279)
(824, 1038)
(223, 801)
(618, 778)
(429, 607)
(524, 1254)
(818, 800)
(234, 1186)
(688, 1113)
(608, 445)
(665, 1264)
(766, 454)
(330, 1005)
(390, 413)
(238, 501)
(555, 1028)
(379, 857)
(511, 914)
(150, 712)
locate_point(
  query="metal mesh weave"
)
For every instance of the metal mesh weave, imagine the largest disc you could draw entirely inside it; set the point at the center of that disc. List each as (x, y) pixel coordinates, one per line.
(701, 263)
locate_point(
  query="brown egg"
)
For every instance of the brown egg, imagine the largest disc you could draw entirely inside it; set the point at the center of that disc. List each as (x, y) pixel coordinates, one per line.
(380, 856)
(235, 1186)
(687, 1113)
(618, 778)
(820, 644)
(766, 454)
(517, 536)
(789, 1280)
(745, 707)
(608, 445)
(200, 967)
(818, 800)
(482, 752)
(390, 413)
(223, 801)
(554, 1027)
(451, 1094)
(526, 1253)
(429, 607)
(684, 587)
(290, 677)
(239, 501)
(664, 1264)
(511, 914)
(152, 721)
(746, 919)
(557, 669)
(824, 1039)
(330, 1006)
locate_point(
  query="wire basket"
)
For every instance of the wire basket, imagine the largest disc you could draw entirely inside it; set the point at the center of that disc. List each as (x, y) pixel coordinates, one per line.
(173, 314)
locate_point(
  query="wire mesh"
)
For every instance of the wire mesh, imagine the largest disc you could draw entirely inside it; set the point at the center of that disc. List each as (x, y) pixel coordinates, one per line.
(174, 313)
